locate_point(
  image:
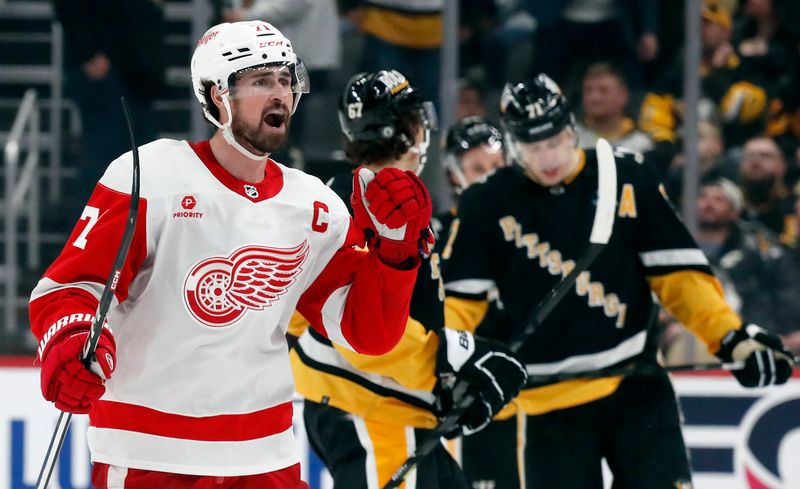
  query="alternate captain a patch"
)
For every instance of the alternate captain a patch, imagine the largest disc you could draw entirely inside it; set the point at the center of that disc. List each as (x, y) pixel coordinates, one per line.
(627, 202)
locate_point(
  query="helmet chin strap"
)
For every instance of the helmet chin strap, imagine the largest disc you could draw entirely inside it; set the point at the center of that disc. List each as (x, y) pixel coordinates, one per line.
(422, 151)
(227, 134)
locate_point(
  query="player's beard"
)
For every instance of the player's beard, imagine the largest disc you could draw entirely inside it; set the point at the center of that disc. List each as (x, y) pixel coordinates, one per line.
(253, 136)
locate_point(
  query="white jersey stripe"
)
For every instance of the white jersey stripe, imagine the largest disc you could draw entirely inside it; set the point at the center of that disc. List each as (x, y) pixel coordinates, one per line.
(332, 314)
(676, 257)
(370, 465)
(470, 286)
(116, 477)
(592, 361)
(47, 286)
(411, 447)
(148, 452)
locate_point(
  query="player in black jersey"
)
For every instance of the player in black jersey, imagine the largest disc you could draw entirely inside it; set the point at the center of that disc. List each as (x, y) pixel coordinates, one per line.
(471, 149)
(365, 415)
(525, 228)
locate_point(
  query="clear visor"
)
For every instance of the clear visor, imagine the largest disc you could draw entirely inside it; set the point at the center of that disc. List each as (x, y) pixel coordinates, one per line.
(429, 117)
(544, 152)
(270, 80)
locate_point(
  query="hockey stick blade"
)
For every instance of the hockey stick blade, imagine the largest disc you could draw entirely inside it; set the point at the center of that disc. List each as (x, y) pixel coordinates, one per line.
(601, 232)
(87, 356)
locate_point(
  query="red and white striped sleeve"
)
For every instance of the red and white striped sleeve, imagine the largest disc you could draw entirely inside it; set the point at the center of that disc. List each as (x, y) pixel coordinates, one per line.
(69, 292)
(358, 301)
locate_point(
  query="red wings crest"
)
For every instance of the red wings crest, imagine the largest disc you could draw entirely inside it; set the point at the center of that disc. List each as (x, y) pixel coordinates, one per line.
(220, 290)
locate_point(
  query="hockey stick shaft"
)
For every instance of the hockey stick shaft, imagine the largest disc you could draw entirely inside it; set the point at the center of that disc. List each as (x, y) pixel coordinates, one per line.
(601, 232)
(87, 356)
(637, 370)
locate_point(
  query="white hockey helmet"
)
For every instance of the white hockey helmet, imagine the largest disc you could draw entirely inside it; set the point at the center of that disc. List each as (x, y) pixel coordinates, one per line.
(229, 48)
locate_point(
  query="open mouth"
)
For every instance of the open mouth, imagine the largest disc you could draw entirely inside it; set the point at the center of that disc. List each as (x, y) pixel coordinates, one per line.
(275, 119)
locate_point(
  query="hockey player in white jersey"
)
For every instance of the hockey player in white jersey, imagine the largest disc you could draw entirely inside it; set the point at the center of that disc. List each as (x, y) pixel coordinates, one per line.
(195, 387)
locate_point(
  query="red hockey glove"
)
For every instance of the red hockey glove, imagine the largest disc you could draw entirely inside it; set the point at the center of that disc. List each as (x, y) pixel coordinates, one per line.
(395, 206)
(65, 381)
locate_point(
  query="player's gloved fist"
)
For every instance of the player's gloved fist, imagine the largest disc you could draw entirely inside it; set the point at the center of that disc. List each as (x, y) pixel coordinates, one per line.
(766, 361)
(481, 367)
(65, 380)
(395, 208)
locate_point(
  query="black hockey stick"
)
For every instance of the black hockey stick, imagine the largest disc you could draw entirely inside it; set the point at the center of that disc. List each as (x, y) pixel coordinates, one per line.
(601, 232)
(634, 370)
(87, 356)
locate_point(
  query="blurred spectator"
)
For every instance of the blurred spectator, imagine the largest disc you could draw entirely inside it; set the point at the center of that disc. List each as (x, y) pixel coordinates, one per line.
(310, 24)
(767, 198)
(763, 42)
(605, 97)
(711, 164)
(574, 33)
(471, 96)
(112, 48)
(402, 35)
(313, 28)
(759, 276)
(477, 23)
(734, 87)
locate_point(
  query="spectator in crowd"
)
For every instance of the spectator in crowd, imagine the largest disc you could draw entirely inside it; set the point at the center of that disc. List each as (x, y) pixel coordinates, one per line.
(766, 195)
(711, 162)
(759, 275)
(477, 24)
(763, 42)
(470, 101)
(735, 88)
(405, 36)
(574, 33)
(111, 49)
(605, 97)
(312, 27)
(309, 23)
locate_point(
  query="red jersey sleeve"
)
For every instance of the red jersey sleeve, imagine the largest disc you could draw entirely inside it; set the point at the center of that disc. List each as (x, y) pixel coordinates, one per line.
(358, 301)
(69, 291)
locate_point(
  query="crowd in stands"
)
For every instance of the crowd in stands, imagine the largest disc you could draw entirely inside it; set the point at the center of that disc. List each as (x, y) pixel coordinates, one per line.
(621, 63)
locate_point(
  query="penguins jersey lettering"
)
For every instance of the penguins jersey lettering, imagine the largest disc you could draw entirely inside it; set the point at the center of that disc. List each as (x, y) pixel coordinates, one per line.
(216, 268)
(396, 386)
(520, 237)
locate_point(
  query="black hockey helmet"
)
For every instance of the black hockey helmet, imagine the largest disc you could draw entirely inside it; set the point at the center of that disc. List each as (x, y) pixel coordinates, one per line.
(471, 132)
(377, 114)
(466, 134)
(534, 110)
(372, 103)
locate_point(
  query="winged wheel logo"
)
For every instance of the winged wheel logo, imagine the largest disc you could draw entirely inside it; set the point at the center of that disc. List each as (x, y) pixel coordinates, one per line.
(220, 290)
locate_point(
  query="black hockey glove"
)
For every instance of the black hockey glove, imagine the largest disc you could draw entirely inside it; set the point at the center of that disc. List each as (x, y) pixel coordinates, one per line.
(490, 371)
(766, 361)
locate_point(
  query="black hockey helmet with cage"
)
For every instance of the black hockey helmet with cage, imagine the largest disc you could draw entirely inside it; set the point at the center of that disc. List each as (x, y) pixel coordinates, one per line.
(372, 104)
(534, 110)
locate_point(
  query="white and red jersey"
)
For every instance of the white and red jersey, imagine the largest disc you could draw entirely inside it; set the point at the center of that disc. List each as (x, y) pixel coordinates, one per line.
(216, 268)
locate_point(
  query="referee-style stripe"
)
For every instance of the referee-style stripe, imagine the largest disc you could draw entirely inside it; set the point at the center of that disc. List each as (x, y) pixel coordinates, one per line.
(674, 257)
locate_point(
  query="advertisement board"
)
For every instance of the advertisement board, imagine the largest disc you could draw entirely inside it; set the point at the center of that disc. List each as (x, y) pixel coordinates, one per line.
(737, 438)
